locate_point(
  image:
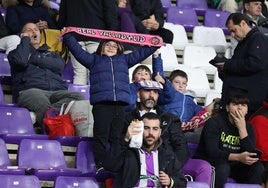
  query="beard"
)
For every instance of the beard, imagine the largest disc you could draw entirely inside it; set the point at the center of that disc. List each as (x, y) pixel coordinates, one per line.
(149, 103)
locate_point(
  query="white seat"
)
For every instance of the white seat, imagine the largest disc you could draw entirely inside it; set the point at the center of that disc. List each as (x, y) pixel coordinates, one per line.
(198, 57)
(217, 82)
(212, 94)
(210, 36)
(197, 80)
(169, 57)
(180, 39)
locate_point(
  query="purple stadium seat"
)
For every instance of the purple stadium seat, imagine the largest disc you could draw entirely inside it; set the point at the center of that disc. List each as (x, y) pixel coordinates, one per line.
(185, 17)
(5, 73)
(191, 147)
(68, 72)
(85, 162)
(71, 141)
(2, 96)
(200, 6)
(5, 165)
(216, 18)
(75, 182)
(240, 185)
(3, 12)
(16, 124)
(19, 181)
(83, 89)
(194, 184)
(44, 159)
(166, 4)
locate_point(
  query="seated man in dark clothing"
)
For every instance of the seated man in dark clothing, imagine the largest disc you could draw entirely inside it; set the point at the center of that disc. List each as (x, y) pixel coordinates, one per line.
(36, 75)
(228, 143)
(151, 165)
(150, 13)
(29, 11)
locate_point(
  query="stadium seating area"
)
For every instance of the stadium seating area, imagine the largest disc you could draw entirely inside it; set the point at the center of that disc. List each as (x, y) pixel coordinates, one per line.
(28, 160)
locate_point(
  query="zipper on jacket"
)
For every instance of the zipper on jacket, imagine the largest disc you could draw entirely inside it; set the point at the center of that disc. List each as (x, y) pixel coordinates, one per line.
(183, 103)
(112, 68)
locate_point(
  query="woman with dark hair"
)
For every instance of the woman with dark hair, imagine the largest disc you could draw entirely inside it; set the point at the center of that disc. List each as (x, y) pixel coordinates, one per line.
(109, 87)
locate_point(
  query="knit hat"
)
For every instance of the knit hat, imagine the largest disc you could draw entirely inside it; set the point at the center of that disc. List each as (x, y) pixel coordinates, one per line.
(149, 85)
(248, 1)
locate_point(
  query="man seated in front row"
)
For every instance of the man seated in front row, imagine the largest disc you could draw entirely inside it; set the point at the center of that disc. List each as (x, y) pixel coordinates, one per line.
(36, 75)
(152, 165)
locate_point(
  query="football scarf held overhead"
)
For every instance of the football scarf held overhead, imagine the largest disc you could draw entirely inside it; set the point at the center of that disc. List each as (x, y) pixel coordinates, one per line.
(134, 38)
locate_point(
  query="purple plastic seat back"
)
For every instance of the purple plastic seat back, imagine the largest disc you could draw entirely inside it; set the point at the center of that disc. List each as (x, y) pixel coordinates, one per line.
(84, 157)
(41, 154)
(5, 72)
(240, 185)
(75, 182)
(200, 6)
(83, 89)
(68, 72)
(2, 96)
(4, 158)
(216, 18)
(3, 12)
(194, 184)
(185, 17)
(192, 147)
(15, 120)
(19, 181)
(166, 4)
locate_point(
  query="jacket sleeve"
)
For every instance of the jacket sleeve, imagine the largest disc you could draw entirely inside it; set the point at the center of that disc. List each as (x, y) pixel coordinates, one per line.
(19, 57)
(84, 57)
(3, 29)
(12, 20)
(158, 66)
(158, 12)
(139, 55)
(178, 140)
(110, 13)
(255, 61)
(168, 94)
(116, 156)
(249, 142)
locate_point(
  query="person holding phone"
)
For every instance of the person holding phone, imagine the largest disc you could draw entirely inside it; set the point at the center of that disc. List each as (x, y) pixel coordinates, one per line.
(228, 143)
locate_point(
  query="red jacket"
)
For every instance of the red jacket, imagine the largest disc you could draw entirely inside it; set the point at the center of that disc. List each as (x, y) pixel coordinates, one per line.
(259, 120)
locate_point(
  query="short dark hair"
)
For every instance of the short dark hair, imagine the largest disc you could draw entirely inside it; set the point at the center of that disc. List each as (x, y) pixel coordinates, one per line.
(237, 96)
(141, 67)
(151, 116)
(176, 73)
(237, 18)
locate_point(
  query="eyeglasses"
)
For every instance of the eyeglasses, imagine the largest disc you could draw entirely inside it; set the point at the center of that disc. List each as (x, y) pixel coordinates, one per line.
(109, 45)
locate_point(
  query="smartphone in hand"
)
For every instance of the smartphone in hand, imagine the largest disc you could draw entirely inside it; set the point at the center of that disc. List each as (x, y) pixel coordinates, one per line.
(258, 152)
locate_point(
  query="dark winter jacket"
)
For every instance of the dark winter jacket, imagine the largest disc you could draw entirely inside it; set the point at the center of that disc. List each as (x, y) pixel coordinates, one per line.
(126, 162)
(171, 135)
(248, 69)
(143, 9)
(109, 78)
(3, 28)
(17, 16)
(97, 14)
(31, 68)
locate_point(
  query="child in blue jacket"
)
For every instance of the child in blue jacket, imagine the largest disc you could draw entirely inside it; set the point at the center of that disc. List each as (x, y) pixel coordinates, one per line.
(109, 87)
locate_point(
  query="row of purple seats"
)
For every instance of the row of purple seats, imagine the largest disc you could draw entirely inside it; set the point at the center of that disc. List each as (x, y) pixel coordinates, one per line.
(5, 73)
(20, 181)
(188, 18)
